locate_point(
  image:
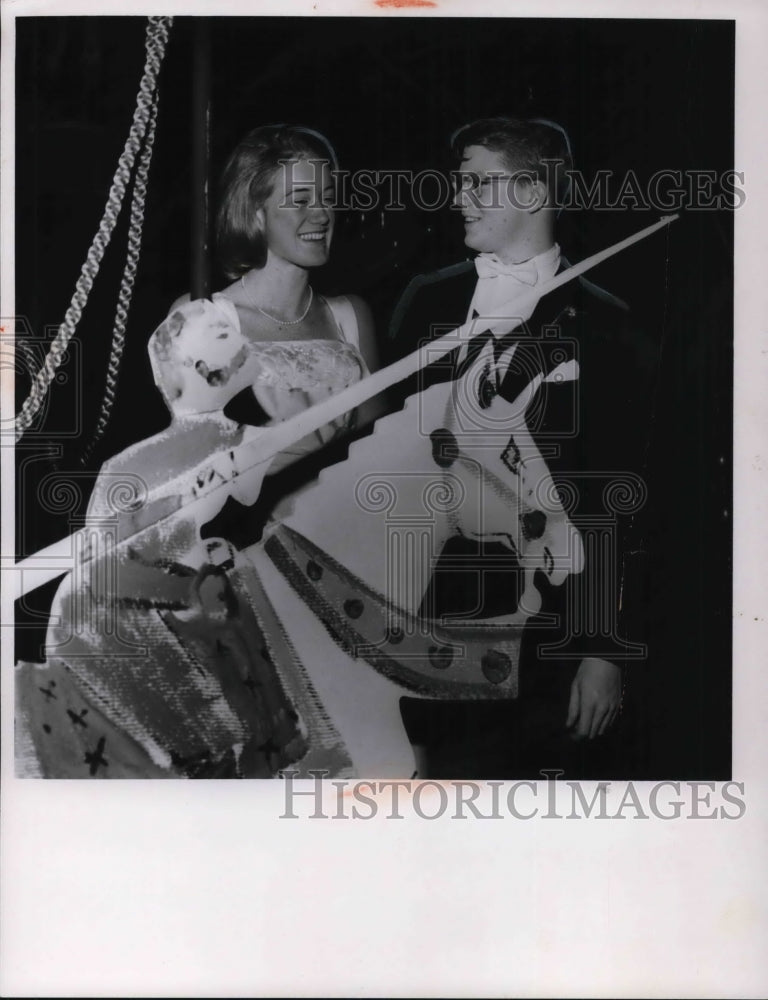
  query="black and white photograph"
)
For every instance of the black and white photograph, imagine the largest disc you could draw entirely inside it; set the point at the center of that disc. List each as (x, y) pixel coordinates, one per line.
(371, 427)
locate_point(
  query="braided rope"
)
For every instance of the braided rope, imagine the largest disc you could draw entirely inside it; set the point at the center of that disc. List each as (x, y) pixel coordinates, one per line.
(138, 203)
(155, 43)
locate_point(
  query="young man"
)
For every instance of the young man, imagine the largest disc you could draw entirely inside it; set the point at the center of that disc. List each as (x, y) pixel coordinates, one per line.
(591, 432)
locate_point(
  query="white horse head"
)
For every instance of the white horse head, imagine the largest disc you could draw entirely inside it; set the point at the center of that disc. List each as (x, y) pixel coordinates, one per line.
(459, 457)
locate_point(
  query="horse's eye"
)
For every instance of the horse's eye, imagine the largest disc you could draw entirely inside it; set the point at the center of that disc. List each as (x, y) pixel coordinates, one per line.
(486, 391)
(445, 447)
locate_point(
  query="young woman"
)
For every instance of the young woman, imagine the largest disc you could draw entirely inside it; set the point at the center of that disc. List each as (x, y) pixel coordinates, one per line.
(165, 657)
(275, 226)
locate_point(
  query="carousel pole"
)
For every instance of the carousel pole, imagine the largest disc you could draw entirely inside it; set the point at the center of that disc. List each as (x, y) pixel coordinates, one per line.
(200, 276)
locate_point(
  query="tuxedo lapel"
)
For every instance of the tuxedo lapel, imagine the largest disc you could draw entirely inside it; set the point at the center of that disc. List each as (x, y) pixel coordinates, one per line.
(548, 312)
(458, 295)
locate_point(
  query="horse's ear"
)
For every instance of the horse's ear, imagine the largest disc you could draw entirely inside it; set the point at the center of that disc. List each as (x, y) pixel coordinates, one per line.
(568, 371)
(244, 408)
(504, 361)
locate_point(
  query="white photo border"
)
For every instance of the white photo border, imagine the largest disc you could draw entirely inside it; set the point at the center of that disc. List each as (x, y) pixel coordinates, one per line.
(200, 889)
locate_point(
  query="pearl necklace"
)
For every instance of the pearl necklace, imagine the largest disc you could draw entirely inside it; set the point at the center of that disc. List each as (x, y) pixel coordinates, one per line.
(280, 322)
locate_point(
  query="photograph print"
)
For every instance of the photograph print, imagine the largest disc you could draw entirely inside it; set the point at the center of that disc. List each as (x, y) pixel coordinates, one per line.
(373, 397)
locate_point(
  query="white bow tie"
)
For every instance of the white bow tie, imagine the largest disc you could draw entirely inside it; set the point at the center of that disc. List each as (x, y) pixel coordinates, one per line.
(488, 265)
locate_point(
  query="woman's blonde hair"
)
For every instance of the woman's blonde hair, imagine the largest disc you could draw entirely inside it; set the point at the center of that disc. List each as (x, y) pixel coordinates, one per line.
(247, 182)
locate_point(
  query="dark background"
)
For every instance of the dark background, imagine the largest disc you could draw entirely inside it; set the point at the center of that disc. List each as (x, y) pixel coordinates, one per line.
(639, 95)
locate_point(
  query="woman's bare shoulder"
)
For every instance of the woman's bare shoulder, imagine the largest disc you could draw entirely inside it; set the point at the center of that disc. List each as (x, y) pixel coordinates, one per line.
(182, 300)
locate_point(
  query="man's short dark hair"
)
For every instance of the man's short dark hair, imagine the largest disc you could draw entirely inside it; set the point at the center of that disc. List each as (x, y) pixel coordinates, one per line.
(533, 147)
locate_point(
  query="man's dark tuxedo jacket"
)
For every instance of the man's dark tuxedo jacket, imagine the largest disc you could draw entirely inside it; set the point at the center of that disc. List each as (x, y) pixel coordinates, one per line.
(593, 434)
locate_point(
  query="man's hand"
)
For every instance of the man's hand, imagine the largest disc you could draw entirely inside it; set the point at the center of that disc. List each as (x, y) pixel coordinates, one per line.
(595, 698)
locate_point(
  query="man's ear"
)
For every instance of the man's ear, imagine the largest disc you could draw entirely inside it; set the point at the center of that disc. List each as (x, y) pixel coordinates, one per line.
(529, 193)
(539, 196)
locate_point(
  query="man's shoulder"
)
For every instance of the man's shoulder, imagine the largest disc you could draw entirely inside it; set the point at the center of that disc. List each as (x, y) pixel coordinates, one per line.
(450, 288)
(594, 293)
(461, 267)
(610, 327)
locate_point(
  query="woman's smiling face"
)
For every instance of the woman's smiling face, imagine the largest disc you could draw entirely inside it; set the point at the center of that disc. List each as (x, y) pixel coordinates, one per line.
(297, 217)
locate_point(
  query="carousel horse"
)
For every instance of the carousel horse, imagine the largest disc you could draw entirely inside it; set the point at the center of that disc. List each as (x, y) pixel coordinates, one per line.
(170, 654)
(305, 642)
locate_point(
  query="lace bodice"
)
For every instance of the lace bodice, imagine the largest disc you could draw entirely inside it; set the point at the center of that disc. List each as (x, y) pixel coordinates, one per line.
(201, 360)
(305, 364)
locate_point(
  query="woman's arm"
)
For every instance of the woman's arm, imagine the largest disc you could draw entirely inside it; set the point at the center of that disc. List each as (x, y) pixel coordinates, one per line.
(366, 331)
(374, 408)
